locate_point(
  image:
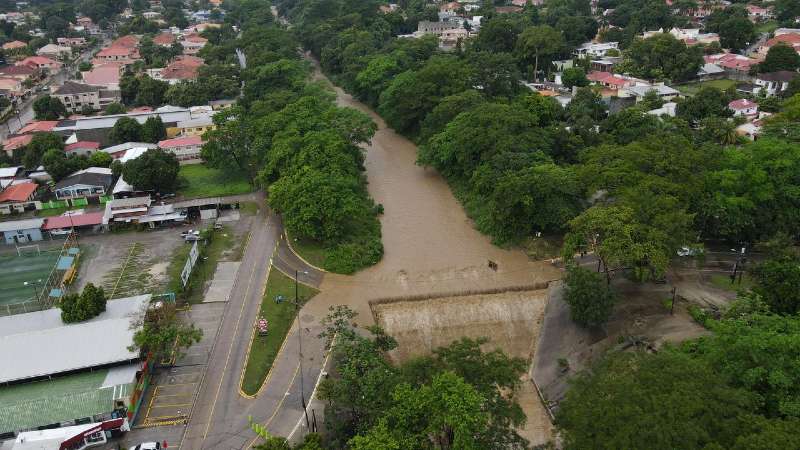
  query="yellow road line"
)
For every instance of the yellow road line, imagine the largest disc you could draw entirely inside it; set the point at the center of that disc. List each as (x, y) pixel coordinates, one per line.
(277, 408)
(175, 405)
(230, 350)
(252, 338)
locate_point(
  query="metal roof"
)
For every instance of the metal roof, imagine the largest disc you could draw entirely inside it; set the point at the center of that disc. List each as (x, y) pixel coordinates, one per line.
(14, 225)
(40, 344)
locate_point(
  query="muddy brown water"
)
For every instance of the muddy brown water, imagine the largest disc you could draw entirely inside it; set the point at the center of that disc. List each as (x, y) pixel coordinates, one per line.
(430, 245)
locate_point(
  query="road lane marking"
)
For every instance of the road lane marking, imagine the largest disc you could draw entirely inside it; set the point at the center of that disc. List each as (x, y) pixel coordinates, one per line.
(230, 350)
(277, 408)
(252, 338)
(313, 393)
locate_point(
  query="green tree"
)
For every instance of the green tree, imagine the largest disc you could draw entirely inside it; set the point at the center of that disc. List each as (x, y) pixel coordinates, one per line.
(708, 101)
(538, 44)
(776, 282)
(786, 11)
(619, 241)
(85, 66)
(126, 129)
(114, 108)
(447, 109)
(496, 74)
(150, 92)
(662, 56)
(780, 57)
(49, 108)
(758, 353)
(155, 170)
(231, 145)
(590, 300)
(100, 159)
(737, 33)
(58, 165)
(161, 335)
(574, 76)
(153, 130)
(657, 401)
(39, 145)
(79, 308)
(447, 414)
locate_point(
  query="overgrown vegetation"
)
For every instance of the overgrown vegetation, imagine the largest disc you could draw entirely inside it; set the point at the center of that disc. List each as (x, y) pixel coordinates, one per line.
(199, 180)
(287, 134)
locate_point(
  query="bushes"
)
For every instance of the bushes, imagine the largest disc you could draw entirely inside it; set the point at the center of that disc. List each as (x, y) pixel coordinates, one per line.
(590, 299)
(84, 306)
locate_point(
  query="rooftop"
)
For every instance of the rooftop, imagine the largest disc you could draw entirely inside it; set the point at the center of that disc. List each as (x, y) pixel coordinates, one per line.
(14, 225)
(38, 126)
(18, 192)
(102, 75)
(16, 142)
(82, 145)
(742, 104)
(181, 142)
(86, 178)
(71, 87)
(41, 345)
(782, 76)
(75, 220)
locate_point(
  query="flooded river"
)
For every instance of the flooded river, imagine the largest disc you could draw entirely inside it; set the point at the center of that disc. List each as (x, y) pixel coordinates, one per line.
(431, 246)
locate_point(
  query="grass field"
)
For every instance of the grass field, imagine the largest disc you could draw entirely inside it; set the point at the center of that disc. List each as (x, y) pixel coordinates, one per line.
(693, 88)
(16, 270)
(311, 251)
(766, 27)
(724, 282)
(199, 181)
(280, 316)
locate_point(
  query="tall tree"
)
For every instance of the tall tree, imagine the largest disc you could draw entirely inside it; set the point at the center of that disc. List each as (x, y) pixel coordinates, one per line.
(538, 44)
(780, 57)
(126, 129)
(49, 108)
(155, 170)
(153, 130)
(231, 145)
(590, 299)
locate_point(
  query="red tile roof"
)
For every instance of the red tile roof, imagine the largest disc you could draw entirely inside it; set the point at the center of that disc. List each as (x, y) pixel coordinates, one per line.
(77, 220)
(164, 39)
(181, 142)
(16, 142)
(102, 75)
(37, 61)
(741, 104)
(128, 41)
(38, 126)
(82, 144)
(114, 51)
(788, 38)
(18, 192)
(182, 69)
(14, 45)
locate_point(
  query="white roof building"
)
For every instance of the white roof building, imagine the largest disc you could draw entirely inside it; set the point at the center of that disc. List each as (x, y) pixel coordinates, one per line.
(40, 344)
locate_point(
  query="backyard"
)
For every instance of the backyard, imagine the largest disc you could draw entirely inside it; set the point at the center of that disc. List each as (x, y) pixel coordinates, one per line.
(693, 88)
(199, 180)
(280, 316)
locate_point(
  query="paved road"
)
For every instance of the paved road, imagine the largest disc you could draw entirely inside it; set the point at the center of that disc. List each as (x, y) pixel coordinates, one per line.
(220, 418)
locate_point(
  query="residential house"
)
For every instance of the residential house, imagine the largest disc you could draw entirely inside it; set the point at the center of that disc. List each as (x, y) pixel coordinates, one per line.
(750, 130)
(596, 50)
(759, 14)
(105, 75)
(127, 41)
(72, 41)
(200, 27)
(186, 68)
(640, 90)
(781, 31)
(774, 82)
(82, 148)
(193, 43)
(21, 73)
(16, 197)
(450, 38)
(40, 62)
(122, 55)
(38, 126)
(55, 51)
(606, 64)
(21, 231)
(667, 109)
(743, 107)
(165, 39)
(87, 24)
(119, 150)
(8, 174)
(196, 126)
(710, 71)
(790, 39)
(14, 45)
(75, 96)
(610, 80)
(217, 105)
(736, 67)
(14, 143)
(185, 148)
(90, 183)
(13, 86)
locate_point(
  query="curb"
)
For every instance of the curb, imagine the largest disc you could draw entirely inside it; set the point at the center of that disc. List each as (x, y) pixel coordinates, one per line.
(250, 344)
(289, 243)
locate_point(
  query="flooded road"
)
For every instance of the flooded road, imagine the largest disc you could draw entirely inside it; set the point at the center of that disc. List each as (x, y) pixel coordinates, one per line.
(431, 246)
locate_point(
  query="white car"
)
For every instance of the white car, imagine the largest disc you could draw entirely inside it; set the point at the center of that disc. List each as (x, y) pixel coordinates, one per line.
(689, 251)
(148, 446)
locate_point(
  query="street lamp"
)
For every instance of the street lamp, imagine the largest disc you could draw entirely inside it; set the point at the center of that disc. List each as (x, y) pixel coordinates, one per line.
(300, 345)
(33, 285)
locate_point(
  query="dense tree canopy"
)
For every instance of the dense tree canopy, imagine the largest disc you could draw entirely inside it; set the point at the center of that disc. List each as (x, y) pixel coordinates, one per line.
(156, 170)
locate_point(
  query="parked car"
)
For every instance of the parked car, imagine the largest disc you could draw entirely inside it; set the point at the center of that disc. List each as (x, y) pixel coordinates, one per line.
(148, 446)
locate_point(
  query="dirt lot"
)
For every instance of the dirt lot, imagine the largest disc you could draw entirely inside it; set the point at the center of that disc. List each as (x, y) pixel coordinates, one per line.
(133, 262)
(641, 315)
(511, 320)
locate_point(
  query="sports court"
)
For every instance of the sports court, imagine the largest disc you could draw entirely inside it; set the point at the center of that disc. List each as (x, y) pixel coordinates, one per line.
(15, 271)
